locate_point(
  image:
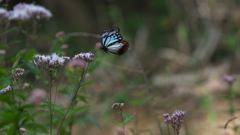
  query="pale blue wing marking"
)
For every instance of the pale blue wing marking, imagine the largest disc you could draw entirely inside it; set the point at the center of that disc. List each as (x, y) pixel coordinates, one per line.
(109, 37)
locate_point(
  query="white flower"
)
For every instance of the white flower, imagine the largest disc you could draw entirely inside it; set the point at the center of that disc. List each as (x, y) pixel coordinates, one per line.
(26, 12)
(3, 13)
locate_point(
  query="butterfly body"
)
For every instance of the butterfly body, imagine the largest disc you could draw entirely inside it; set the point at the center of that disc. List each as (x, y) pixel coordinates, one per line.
(113, 42)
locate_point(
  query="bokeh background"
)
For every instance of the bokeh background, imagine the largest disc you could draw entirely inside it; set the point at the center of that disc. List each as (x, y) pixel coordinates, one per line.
(182, 46)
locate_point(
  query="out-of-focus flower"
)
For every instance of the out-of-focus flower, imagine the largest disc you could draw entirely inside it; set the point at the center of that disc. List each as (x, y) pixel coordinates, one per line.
(25, 85)
(98, 45)
(120, 130)
(17, 73)
(119, 106)
(2, 52)
(64, 47)
(60, 34)
(175, 120)
(6, 89)
(51, 63)
(84, 56)
(27, 12)
(3, 13)
(77, 63)
(22, 129)
(229, 78)
(37, 95)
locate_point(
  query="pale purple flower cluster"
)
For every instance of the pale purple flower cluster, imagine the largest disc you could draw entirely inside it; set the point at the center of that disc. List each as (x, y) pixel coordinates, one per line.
(25, 85)
(60, 34)
(84, 56)
(3, 13)
(37, 95)
(77, 63)
(27, 12)
(50, 62)
(17, 73)
(2, 52)
(6, 89)
(119, 106)
(229, 78)
(175, 120)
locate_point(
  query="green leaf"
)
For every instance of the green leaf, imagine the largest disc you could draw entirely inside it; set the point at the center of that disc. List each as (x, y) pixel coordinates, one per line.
(36, 127)
(128, 120)
(82, 98)
(28, 56)
(91, 119)
(88, 83)
(117, 123)
(144, 131)
(28, 106)
(81, 120)
(12, 29)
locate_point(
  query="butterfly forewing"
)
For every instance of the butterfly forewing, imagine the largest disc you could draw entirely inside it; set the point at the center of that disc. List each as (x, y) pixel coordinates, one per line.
(111, 37)
(113, 42)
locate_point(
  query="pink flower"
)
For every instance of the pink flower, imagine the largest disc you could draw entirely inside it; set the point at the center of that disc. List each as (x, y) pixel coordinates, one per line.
(60, 34)
(119, 106)
(18, 73)
(6, 89)
(229, 78)
(3, 13)
(65, 46)
(37, 95)
(98, 45)
(25, 85)
(2, 52)
(23, 129)
(27, 12)
(84, 56)
(77, 63)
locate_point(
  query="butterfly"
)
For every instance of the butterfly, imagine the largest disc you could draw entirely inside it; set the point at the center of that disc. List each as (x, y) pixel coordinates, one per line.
(112, 41)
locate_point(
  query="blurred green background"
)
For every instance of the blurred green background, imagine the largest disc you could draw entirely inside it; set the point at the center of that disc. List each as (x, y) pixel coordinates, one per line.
(184, 47)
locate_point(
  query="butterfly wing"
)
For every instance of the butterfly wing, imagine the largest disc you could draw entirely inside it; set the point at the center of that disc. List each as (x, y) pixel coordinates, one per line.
(109, 37)
(118, 48)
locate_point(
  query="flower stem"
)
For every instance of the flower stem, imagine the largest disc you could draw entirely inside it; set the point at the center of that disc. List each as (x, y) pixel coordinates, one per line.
(122, 121)
(50, 102)
(84, 72)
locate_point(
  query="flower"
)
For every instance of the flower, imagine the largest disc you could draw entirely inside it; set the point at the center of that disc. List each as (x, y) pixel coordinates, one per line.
(65, 46)
(51, 63)
(6, 89)
(175, 120)
(37, 95)
(17, 73)
(26, 12)
(23, 129)
(77, 63)
(229, 78)
(3, 13)
(98, 45)
(84, 56)
(25, 85)
(2, 52)
(119, 106)
(60, 34)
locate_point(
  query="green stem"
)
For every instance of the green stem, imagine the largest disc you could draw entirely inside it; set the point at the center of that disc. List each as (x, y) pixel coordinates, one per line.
(50, 101)
(84, 72)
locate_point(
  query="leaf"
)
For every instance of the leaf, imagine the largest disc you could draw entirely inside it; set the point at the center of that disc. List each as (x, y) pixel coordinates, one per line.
(128, 120)
(82, 98)
(28, 106)
(117, 123)
(80, 119)
(91, 119)
(88, 83)
(12, 29)
(28, 56)
(36, 127)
